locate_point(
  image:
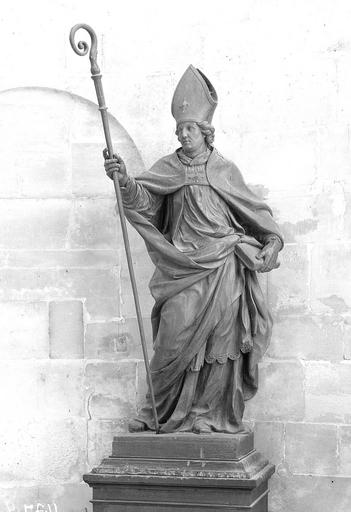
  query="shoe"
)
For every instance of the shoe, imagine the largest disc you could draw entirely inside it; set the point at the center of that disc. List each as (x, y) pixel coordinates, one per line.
(137, 426)
(201, 427)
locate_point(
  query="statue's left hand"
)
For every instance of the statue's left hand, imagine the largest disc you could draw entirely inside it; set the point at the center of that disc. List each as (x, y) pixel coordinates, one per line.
(269, 255)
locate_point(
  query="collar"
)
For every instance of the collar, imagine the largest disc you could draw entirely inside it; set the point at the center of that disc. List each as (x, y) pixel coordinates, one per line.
(200, 159)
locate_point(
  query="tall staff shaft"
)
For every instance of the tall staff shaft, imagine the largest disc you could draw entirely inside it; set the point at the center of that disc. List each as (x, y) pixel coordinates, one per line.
(82, 49)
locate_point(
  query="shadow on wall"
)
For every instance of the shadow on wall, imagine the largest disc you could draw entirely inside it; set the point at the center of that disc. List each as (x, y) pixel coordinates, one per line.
(69, 349)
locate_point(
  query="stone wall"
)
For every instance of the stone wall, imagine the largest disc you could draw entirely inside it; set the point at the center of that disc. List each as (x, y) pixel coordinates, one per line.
(69, 350)
(71, 368)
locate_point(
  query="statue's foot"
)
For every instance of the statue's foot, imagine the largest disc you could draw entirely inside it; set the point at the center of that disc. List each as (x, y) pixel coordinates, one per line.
(201, 427)
(136, 426)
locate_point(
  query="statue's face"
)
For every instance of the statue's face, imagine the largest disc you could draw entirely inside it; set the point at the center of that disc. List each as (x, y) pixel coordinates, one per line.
(190, 137)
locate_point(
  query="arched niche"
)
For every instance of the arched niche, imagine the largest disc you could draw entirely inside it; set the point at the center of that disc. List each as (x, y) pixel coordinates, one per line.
(58, 222)
(52, 142)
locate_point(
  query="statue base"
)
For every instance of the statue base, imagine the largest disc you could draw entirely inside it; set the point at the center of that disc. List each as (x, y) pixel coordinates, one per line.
(176, 472)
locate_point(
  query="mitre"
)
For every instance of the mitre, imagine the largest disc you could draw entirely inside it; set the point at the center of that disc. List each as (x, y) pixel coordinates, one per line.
(195, 98)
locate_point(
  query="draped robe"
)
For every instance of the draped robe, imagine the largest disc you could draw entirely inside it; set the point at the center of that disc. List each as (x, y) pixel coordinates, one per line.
(210, 321)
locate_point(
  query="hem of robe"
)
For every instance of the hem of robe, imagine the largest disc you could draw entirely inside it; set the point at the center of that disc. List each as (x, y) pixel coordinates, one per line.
(192, 409)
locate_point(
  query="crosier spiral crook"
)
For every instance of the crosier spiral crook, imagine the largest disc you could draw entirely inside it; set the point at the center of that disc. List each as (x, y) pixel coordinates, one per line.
(82, 47)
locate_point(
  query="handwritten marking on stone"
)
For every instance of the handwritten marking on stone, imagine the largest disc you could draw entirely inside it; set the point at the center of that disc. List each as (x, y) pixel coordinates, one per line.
(32, 507)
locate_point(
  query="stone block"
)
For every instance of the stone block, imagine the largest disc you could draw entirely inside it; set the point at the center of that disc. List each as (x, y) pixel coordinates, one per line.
(19, 382)
(110, 378)
(29, 284)
(330, 209)
(61, 446)
(143, 274)
(88, 173)
(344, 450)
(105, 309)
(49, 451)
(109, 407)
(35, 173)
(99, 287)
(33, 223)
(60, 389)
(99, 259)
(95, 225)
(307, 337)
(132, 156)
(67, 497)
(41, 389)
(347, 338)
(303, 89)
(104, 341)
(292, 209)
(86, 121)
(112, 389)
(334, 145)
(313, 493)
(46, 498)
(280, 393)
(288, 287)
(331, 264)
(37, 127)
(66, 328)
(278, 150)
(24, 330)
(100, 437)
(311, 449)
(143, 269)
(19, 464)
(159, 84)
(139, 252)
(269, 440)
(347, 217)
(116, 340)
(317, 212)
(328, 392)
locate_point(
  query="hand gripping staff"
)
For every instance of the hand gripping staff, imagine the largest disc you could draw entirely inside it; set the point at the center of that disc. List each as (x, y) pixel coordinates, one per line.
(82, 49)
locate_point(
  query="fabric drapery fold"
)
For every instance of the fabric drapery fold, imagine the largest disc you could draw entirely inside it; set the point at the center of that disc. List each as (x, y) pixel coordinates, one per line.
(210, 319)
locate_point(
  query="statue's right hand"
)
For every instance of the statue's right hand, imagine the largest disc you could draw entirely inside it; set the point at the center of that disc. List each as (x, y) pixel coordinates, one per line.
(115, 164)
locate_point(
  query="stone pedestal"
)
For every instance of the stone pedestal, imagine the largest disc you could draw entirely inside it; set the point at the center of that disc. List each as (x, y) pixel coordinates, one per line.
(177, 472)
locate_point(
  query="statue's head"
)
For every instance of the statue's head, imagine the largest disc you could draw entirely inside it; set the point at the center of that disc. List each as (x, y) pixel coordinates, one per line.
(193, 105)
(193, 135)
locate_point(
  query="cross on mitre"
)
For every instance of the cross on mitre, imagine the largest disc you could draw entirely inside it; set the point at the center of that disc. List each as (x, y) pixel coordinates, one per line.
(184, 106)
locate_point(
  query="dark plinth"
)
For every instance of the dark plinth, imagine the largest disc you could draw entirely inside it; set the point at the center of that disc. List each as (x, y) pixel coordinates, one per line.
(176, 472)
